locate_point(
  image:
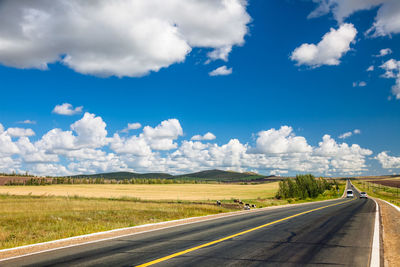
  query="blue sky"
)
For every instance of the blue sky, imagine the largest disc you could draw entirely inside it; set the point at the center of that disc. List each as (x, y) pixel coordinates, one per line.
(271, 86)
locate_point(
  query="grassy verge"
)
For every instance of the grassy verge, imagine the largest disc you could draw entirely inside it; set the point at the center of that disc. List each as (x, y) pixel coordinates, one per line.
(390, 194)
(32, 219)
(328, 194)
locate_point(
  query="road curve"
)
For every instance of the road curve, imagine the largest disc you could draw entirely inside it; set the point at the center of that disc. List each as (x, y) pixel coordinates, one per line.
(331, 233)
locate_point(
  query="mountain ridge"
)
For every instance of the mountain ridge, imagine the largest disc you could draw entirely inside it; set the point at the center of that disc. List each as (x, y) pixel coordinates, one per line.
(208, 175)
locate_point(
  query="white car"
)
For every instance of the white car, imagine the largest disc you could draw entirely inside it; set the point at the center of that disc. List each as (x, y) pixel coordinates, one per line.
(363, 195)
(349, 193)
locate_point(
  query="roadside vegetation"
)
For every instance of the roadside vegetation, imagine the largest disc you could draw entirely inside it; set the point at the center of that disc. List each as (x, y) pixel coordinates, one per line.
(388, 193)
(32, 219)
(306, 186)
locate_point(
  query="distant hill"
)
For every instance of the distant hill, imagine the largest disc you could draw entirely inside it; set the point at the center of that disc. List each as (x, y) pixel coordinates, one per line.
(219, 175)
(209, 175)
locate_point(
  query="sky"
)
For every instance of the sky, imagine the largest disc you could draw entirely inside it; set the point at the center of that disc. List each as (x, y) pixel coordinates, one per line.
(177, 86)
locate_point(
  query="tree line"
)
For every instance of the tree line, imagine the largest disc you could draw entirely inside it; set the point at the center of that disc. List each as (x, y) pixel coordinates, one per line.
(65, 180)
(304, 186)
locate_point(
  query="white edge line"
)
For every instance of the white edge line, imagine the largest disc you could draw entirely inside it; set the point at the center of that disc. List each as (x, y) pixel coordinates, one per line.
(375, 253)
(234, 213)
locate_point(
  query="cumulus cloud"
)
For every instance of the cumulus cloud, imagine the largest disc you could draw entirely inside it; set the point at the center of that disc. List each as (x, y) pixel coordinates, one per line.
(384, 52)
(19, 132)
(208, 136)
(117, 38)
(7, 146)
(387, 20)
(371, 68)
(131, 126)
(67, 109)
(90, 133)
(348, 134)
(281, 141)
(221, 71)
(87, 148)
(392, 71)
(220, 53)
(388, 162)
(359, 84)
(329, 50)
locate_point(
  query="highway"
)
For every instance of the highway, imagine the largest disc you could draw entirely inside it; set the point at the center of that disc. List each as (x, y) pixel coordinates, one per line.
(330, 233)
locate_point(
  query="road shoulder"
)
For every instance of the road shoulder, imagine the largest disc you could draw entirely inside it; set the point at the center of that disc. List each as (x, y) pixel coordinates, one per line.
(391, 233)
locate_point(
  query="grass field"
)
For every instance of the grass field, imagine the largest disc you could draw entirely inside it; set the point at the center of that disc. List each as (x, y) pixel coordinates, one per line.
(388, 193)
(32, 219)
(151, 192)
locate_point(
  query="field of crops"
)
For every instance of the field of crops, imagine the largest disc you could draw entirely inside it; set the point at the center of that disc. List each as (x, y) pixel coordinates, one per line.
(173, 192)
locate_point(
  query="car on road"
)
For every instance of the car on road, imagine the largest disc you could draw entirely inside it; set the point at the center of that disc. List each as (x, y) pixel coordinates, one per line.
(349, 193)
(363, 195)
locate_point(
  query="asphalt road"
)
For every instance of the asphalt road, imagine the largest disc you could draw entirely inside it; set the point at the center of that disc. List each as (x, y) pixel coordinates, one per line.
(338, 233)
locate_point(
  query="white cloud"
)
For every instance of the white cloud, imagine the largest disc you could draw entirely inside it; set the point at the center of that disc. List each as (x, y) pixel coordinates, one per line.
(19, 132)
(387, 20)
(388, 162)
(384, 52)
(348, 134)
(220, 53)
(221, 71)
(91, 131)
(329, 50)
(85, 149)
(120, 38)
(7, 146)
(371, 68)
(281, 141)
(392, 70)
(208, 136)
(67, 109)
(163, 135)
(131, 126)
(133, 145)
(345, 135)
(27, 122)
(359, 84)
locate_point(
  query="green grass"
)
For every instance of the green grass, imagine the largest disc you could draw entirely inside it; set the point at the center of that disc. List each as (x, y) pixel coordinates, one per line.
(328, 194)
(390, 194)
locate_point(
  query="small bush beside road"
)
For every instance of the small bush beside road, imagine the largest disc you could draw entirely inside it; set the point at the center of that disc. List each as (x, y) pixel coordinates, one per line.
(306, 186)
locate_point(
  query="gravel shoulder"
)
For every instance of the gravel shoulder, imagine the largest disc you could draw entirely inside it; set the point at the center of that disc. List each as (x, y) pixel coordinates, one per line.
(391, 234)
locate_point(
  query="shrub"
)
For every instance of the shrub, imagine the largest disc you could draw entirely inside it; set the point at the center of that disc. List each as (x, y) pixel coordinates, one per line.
(303, 186)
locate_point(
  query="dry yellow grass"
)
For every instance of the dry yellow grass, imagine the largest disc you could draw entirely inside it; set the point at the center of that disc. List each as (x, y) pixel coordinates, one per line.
(31, 219)
(190, 192)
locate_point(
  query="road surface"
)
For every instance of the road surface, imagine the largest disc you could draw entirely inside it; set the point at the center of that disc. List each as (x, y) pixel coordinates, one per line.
(330, 233)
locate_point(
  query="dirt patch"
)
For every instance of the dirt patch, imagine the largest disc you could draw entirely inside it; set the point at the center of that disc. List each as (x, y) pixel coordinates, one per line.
(392, 183)
(391, 234)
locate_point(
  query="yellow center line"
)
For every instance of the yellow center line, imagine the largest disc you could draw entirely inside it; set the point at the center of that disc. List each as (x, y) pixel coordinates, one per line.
(235, 235)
